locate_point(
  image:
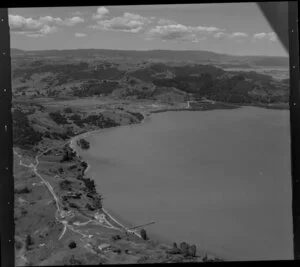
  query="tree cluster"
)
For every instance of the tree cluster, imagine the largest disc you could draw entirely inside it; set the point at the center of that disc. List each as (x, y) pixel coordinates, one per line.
(24, 136)
(83, 144)
(58, 117)
(184, 249)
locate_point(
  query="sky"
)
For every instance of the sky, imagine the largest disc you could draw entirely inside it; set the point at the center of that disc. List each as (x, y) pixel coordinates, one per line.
(228, 28)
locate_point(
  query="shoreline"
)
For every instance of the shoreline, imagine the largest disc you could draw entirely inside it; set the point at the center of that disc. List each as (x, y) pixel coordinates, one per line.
(89, 208)
(72, 142)
(223, 106)
(125, 224)
(147, 115)
(73, 146)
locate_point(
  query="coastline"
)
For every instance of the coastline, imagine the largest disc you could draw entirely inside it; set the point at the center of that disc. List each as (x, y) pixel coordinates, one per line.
(83, 190)
(74, 147)
(97, 219)
(126, 224)
(223, 106)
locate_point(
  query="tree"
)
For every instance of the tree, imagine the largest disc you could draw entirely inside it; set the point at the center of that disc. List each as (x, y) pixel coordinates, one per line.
(184, 247)
(68, 155)
(84, 144)
(144, 234)
(69, 131)
(58, 117)
(29, 241)
(72, 245)
(98, 202)
(89, 206)
(68, 110)
(192, 250)
(175, 249)
(24, 135)
(18, 244)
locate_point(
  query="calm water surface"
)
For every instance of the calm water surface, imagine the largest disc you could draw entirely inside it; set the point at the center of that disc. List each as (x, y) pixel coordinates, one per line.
(219, 179)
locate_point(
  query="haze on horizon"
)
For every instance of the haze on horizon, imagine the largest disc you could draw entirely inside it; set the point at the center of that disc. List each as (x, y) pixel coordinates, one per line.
(226, 28)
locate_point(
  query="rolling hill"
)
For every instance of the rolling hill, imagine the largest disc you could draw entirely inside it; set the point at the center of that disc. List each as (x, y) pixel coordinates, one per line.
(159, 55)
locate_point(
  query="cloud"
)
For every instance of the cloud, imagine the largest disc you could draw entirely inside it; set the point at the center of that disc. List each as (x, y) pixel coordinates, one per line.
(238, 34)
(158, 28)
(72, 21)
(220, 35)
(152, 27)
(18, 23)
(79, 34)
(165, 22)
(45, 30)
(101, 12)
(63, 22)
(129, 22)
(170, 32)
(41, 26)
(271, 36)
(179, 32)
(207, 29)
(239, 37)
(259, 35)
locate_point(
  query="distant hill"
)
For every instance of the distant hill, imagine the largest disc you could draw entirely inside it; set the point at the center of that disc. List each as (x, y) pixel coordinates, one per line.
(74, 73)
(273, 61)
(162, 55)
(16, 51)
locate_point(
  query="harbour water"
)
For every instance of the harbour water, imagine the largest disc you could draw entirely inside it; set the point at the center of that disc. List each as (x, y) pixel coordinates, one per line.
(219, 179)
